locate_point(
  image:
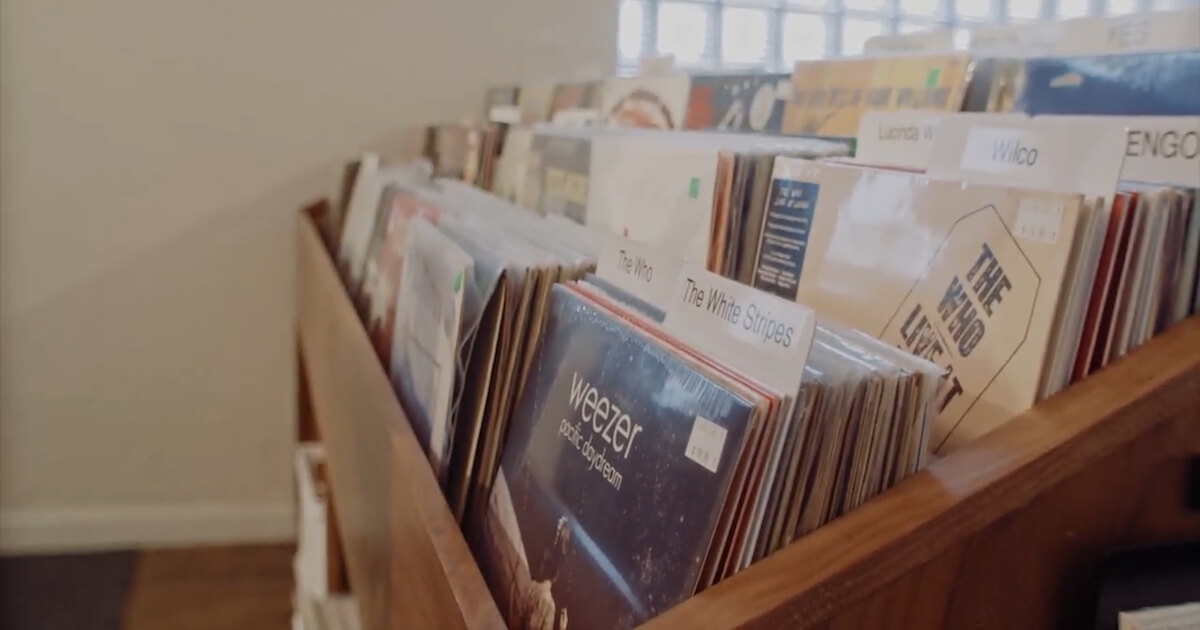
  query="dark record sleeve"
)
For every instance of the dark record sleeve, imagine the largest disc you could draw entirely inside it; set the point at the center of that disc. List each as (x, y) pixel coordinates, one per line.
(567, 542)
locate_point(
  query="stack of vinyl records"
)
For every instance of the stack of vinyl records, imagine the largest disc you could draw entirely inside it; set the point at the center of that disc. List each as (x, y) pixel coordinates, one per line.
(642, 357)
(1148, 271)
(700, 194)
(453, 285)
(1011, 257)
(1147, 276)
(550, 400)
(658, 448)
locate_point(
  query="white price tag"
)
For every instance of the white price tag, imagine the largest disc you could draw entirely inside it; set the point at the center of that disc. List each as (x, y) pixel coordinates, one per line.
(706, 443)
(1039, 220)
(509, 114)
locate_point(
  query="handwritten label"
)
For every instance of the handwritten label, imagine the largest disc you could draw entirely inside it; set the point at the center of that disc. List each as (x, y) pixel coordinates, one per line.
(643, 271)
(755, 332)
(1039, 220)
(706, 443)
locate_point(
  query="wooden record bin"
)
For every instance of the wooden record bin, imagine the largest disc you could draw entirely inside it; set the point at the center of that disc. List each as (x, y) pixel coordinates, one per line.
(1005, 533)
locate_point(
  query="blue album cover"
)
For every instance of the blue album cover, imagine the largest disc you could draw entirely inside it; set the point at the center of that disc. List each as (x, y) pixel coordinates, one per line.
(1143, 84)
(613, 477)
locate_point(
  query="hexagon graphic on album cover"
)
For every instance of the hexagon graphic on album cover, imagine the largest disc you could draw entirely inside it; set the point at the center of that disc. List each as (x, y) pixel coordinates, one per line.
(971, 310)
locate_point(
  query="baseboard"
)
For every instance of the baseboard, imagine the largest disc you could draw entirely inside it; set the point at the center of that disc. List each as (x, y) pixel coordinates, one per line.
(43, 530)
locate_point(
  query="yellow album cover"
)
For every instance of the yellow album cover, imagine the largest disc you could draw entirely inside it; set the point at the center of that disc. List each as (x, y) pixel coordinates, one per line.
(829, 97)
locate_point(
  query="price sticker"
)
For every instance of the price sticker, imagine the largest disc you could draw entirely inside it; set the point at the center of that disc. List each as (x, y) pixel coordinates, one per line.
(706, 443)
(1039, 220)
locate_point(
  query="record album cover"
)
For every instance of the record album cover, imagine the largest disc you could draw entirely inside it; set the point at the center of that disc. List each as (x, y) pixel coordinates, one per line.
(738, 102)
(655, 191)
(830, 96)
(429, 311)
(658, 102)
(385, 272)
(615, 470)
(583, 95)
(1146, 84)
(534, 101)
(968, 276)
(564, 163)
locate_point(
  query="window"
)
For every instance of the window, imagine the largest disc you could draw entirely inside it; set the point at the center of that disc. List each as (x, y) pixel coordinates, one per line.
(744, 36)
(1021, 10)
(856, 31)
(775, 34)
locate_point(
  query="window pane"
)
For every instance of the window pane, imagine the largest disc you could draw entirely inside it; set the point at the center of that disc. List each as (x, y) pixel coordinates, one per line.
(864, 5)
(809, 4)
(920, 7)
(629, 29)
(1121, 7)
(1072, 8)
(804, 37)
(962, 38)
(856, 32)
(975, 8)
(683, 31)
(906, 28)
(1024, 9)
(743, 36)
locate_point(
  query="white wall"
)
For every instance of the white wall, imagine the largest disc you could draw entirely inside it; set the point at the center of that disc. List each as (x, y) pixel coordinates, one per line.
(151, 157)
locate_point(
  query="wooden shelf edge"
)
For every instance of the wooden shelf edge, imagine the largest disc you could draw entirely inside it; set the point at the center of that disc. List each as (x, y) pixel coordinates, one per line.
(825, 574)
(408, 562)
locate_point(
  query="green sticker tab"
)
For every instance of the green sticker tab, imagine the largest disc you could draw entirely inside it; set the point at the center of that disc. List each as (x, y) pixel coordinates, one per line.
(931, 79)
(694, 188)
(458, 282)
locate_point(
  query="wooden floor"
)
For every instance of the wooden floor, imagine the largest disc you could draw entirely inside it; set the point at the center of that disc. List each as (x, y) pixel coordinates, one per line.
(211, 588)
